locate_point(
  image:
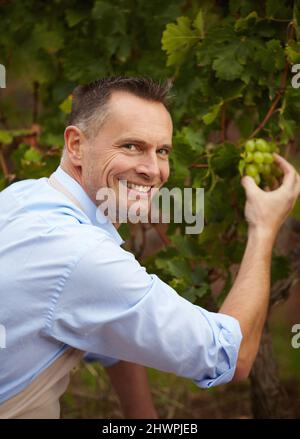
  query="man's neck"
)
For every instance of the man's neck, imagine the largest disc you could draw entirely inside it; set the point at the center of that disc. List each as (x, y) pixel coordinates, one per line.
(75, 173)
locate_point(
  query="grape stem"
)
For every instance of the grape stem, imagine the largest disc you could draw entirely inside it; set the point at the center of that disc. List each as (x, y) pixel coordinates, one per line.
(279, 95)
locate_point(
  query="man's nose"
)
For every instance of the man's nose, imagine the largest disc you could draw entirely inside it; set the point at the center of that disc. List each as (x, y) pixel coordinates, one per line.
(149, 167)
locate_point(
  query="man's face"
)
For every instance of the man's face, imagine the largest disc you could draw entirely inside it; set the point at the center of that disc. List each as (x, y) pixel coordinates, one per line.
(133, 145)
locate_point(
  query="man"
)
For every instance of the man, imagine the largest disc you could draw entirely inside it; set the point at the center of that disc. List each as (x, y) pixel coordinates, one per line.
(67, 287)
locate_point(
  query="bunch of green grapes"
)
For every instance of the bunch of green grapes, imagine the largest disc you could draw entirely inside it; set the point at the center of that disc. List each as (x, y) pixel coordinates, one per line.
(257, 161)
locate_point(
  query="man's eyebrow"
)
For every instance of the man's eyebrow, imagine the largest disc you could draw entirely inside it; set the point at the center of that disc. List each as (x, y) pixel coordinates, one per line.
(141, 142)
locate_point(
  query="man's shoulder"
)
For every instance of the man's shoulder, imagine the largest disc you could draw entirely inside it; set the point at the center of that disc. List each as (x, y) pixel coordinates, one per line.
(23, 187)
(33, 208)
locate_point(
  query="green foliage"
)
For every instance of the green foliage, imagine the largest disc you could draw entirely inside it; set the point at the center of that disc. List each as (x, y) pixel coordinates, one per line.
(178, 39)
(236, 68)
(228, 61)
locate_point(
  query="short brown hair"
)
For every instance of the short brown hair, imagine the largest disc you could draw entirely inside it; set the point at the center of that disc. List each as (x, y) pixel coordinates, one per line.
(90, 101)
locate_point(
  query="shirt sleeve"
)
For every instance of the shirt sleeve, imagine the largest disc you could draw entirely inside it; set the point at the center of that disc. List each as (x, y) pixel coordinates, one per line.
(109, 305)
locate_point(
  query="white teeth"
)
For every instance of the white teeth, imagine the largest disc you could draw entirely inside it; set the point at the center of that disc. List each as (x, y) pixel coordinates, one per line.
(138, 188)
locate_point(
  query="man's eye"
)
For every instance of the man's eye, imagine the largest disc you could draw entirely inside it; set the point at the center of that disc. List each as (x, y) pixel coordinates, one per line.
(130, 146)
(164, 151)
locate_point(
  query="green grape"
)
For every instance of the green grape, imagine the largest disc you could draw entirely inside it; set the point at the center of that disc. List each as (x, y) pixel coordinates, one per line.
(250, 145)
(248, 157)
(260, 167)
(257, 162)
(258, 157)
(267, 157)
(262, 145)
(251, 170)
(257, 179)
(266, 170)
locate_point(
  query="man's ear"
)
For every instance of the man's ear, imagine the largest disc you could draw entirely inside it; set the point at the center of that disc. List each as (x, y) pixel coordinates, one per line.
(74, 141)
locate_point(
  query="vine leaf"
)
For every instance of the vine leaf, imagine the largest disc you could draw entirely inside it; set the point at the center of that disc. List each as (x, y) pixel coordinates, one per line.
(214, 110)
(178, 39)
(226, 65)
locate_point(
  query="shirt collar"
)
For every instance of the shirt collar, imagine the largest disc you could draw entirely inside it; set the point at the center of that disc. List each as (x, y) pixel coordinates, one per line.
(95, 215)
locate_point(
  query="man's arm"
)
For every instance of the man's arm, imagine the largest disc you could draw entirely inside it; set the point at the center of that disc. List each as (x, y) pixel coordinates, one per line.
(248, 299)
(131, 384)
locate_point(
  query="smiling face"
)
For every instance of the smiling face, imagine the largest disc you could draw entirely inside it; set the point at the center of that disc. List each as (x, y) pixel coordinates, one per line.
(133, 145)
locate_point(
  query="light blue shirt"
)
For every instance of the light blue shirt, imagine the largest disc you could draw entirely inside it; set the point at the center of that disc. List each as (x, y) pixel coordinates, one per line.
(66, 281)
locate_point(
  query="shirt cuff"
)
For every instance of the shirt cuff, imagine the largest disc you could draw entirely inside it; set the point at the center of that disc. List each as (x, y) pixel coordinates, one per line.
(89, 357)
(229, 337)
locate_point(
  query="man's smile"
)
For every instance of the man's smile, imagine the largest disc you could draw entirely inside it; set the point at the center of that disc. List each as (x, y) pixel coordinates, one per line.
(141, 190)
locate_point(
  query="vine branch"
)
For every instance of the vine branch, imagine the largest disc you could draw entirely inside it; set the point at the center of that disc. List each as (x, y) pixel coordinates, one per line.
(278, 97)
(282, 86)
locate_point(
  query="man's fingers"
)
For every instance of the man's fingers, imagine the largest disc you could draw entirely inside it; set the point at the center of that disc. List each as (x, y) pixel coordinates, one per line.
(250, 186)
(288, 170)
(297, 186)
(284, 164)
(291, 179)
